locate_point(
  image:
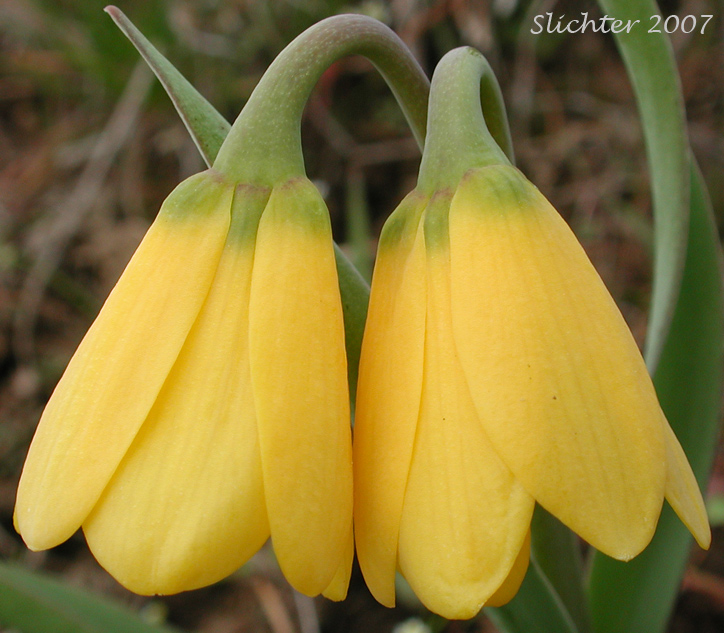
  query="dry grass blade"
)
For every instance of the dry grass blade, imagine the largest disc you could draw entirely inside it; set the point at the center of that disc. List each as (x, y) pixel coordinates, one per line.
(307, 612)
(273, 606)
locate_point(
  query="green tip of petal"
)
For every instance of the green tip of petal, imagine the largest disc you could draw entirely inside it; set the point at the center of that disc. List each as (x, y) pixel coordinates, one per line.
(500, 188)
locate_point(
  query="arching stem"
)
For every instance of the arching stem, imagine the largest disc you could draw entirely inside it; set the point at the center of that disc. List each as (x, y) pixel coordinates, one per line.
(467, 126)
(264, 144)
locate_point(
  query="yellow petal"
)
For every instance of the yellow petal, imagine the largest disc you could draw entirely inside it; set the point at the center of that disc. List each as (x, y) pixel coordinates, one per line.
(506, 592)
(299, 379)
(337, 589)
(117, 372)
(682, 491)
(388, 394)
(555, 374)
(186, 506)
(465, 516)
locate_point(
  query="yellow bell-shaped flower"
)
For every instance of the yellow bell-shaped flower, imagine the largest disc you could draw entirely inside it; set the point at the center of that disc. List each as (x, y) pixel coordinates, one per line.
(496, 372)
(207, 407)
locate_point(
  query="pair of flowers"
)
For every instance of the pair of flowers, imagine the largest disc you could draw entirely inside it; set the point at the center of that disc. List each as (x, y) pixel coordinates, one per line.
(207, 406)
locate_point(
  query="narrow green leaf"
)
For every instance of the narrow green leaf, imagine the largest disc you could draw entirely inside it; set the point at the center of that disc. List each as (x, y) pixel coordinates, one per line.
(639, 595)
(558, 554)
(684, 347)
(359, 230)
(206, 126)
(652, 70)
(35, 603)
(209, 129)
(537, 607)
(355, 295)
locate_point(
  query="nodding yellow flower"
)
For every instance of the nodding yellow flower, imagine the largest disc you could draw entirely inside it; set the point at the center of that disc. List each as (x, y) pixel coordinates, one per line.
(497, 372)
(207, 407)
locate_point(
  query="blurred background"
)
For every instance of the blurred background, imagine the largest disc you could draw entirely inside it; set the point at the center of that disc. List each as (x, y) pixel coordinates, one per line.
(90, 145)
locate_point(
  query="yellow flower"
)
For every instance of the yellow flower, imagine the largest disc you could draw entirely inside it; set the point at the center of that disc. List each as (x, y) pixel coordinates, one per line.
(496, 372)
(207, 406)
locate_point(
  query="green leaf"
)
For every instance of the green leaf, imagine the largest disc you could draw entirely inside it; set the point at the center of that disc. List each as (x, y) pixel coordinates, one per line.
(639, 595)
(206, 126)
(35, 603)
(685, 343)
(715, 509)
(355, 296)
(557, 551)
(209, 129)
(537, 607)
(651, 67)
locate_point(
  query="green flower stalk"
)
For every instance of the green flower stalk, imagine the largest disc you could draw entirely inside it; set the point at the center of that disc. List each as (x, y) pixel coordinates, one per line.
(496, 372)
(207, 408)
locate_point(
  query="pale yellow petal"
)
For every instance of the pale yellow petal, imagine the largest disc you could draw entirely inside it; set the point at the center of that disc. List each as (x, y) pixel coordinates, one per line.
(506, 592)
(556, 376)
(186, 506)
(465, 516)
(299, 378)
(337, 589)
(116, 374)
(388, 395)
(682, 491)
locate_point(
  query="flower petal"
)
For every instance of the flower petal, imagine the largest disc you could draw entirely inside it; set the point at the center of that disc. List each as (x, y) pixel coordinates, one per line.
(465, 517)
(299, 379)
(556, 376)
(337, 589)
(116, 373)
(388, 394)
(186, 506)
(682, 491)
(506, 592)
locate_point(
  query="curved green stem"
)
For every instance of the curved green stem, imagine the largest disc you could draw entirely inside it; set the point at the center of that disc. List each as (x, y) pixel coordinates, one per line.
(264, 144)
(493, 105)
(467, 125)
